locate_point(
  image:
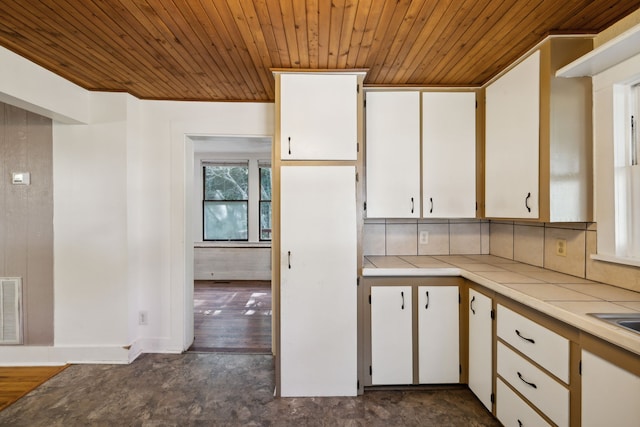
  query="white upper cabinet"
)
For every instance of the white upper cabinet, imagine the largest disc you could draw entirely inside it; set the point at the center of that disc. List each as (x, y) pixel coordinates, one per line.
(538, 137)
(449, 154)
(318, 116)
(512, 138)
(393, 154)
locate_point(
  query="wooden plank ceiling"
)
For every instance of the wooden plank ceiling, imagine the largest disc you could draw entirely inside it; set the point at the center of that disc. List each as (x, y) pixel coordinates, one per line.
(223, 50)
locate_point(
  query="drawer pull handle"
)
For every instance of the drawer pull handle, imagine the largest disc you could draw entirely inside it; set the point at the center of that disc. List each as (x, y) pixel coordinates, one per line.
(531, 340)
(526, 382)
(427, 305)
(402, 294)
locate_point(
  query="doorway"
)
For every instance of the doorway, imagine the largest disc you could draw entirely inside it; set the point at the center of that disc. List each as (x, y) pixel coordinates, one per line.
(232, 298)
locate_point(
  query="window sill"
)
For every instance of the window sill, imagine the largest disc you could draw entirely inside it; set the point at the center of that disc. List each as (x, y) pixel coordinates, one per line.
(221, 244)
(635, 262)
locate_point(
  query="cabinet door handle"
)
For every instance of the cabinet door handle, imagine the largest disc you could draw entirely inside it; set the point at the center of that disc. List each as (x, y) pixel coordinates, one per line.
(289, 145)
(412, 205)
(531, 340)
(473, 310)
(427, 305)
(526, 382)
(431, 201)
(526, 201)
(289, 259)
(402, 295)
(519, 423)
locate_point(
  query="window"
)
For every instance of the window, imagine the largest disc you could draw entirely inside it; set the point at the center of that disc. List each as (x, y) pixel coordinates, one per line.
(265, 201)
(225, 202)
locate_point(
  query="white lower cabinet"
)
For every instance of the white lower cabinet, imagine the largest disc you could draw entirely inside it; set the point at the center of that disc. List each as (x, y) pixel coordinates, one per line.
(391, 335)
(394, 311)
(547, 394)
(512, 411)
(610, 394)
(480, 347)
(438, 335)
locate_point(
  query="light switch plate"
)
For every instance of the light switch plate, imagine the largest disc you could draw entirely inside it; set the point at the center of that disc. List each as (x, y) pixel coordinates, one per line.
(21, 178)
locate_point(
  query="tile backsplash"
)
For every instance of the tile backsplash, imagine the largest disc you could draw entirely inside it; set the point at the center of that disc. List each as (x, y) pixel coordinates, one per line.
(425, 237)
(530, 243)
(536, 244)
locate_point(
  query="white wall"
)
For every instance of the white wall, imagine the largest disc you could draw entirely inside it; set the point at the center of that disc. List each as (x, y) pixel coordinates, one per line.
(167, 164)
(33, 88)
(122, 213)
(90, 227)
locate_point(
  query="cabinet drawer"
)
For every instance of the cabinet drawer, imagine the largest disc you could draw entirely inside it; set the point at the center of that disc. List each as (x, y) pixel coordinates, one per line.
(546, 348)
(548, 395)
(513, 411)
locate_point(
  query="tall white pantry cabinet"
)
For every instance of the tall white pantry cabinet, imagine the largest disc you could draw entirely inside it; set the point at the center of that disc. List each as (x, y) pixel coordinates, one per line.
(315, 221)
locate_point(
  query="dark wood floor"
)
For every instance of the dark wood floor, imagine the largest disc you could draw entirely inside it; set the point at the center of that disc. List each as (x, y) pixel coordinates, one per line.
(232, 317)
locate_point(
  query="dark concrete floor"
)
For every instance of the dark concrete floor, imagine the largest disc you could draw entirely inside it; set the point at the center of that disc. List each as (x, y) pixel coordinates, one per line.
(222, 390)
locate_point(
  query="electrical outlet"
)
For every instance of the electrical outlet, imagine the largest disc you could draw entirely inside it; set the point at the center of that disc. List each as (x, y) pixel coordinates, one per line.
(424, 237)
(561, 247)
(143, 318)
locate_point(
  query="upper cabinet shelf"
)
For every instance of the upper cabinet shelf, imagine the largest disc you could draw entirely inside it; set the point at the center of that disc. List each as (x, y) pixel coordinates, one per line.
(604, 57)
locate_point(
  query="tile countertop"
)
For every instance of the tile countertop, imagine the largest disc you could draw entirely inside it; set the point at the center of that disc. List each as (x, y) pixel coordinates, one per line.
(565, 297)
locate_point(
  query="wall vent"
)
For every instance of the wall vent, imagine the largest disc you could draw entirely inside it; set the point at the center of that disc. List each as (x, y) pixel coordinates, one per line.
(10, 310)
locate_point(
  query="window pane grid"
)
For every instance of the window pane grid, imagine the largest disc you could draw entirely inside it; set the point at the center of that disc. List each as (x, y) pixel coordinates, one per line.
(265, 203)
(226, 182)
(225, 202)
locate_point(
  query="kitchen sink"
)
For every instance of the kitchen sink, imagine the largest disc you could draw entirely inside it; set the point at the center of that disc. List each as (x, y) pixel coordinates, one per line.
(629, 321)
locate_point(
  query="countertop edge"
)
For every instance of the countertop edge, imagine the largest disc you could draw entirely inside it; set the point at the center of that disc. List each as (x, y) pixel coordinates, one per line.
(412, 272)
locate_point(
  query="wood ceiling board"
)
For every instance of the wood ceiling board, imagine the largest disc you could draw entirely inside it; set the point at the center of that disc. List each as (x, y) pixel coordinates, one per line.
(223, 50)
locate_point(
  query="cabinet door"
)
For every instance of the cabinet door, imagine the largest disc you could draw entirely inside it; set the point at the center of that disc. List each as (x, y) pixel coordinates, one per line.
(318, 302)
(391, 335)
(512, 141)
(610, 395)
(318, 116)
(393, 154)
(449, 154)
(480, 347)
(438, 335)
